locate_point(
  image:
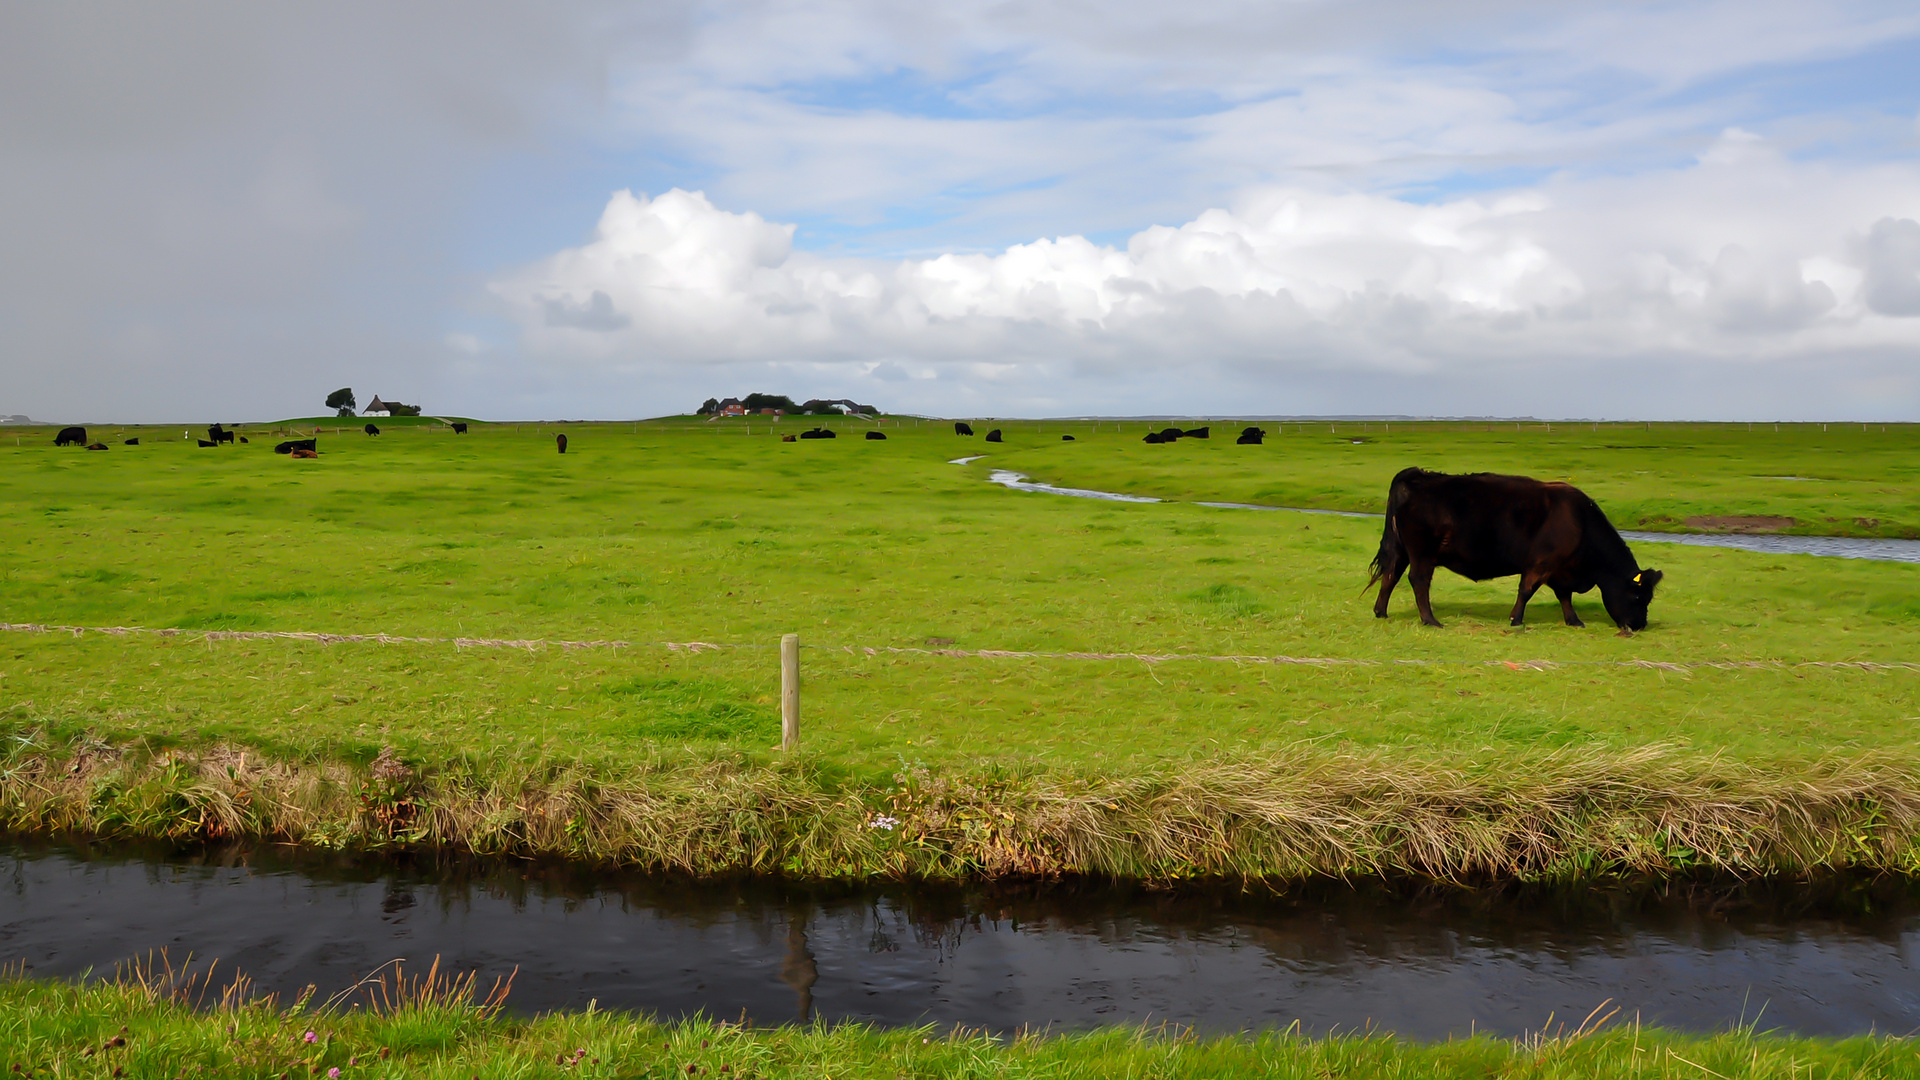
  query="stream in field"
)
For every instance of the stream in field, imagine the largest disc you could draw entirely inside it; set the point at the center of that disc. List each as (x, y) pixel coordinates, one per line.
(1842, 957)
(1843, 547)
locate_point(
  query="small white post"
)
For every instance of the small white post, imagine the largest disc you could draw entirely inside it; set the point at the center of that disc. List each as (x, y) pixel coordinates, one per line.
(789, 691)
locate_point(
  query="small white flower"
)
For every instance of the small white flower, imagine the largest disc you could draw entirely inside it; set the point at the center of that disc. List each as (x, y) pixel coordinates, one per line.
(883, 822)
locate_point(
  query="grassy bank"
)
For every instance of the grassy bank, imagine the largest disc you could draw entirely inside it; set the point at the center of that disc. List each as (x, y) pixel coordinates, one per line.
(1722, 736)
(1304, 812)
(144, 1026)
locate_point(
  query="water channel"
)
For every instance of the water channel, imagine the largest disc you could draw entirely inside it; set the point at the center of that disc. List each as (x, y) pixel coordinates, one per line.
(1843, 547)
(1839, 958)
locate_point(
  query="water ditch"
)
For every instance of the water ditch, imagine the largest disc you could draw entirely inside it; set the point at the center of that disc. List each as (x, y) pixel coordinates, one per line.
(1842, 957)
(1842, 547)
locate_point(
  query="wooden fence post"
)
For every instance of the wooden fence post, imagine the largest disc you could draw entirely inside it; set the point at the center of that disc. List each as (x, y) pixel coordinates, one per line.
(789, 691)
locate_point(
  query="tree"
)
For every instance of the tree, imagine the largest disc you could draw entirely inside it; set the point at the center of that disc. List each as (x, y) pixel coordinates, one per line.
(341, 400)
(712, 406)
(753, 403)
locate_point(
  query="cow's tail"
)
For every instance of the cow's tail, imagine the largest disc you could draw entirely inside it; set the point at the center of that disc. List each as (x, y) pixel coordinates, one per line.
(1388, 560)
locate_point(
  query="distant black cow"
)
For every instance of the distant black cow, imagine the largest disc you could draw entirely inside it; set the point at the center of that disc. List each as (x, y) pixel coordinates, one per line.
(291, 445)
(1484, 526)
(132, 442)
(560, 440)
(96, 446)
(217, 435)
(459, 429)
(994, 435)
(876, 435)
(76, 436)
(962, 429)
(1171, 434)
(1197, 433)
(1150, 437)
(371, 430)
(1250, 437)
(819, 433)
(243, 439)
(1066, 438)
(204, 443)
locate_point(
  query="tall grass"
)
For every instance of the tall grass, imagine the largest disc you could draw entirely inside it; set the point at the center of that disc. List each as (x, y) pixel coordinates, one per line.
(1304, 812)
(135, 1027)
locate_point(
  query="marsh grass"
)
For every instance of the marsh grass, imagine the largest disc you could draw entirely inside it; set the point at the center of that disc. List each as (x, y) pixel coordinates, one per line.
(1309, 812)
(140, 1027)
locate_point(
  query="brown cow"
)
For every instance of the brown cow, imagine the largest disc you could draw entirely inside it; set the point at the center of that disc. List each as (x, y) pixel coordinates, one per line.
(1484, 526)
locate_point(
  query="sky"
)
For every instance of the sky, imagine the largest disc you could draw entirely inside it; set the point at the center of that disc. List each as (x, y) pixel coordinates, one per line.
(1689, 209)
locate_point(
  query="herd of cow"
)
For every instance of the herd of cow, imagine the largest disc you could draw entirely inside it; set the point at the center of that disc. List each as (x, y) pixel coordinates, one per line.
(1480, 526)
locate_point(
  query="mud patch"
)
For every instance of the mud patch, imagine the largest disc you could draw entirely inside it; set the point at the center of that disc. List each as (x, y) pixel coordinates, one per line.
(1754, 523)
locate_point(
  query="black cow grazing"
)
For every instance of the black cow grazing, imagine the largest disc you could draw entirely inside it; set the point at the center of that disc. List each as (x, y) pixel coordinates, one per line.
(962, 429)
(76, 436)
(291, 445)
(204, 443)
(1172, 434)
(1066, 438)
(560, 440)
(819, 433)
(459, 429)
(131, 442)
(1197, 433)
(994, 435)
(371, 430)
(1250, 437)
(1484, 526)
(876, 435)
(217, 434)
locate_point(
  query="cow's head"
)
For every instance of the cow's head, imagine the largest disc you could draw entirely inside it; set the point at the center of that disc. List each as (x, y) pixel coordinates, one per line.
(1628, 605)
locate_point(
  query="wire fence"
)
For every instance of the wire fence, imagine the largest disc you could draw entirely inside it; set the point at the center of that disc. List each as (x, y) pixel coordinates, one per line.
(696, 647)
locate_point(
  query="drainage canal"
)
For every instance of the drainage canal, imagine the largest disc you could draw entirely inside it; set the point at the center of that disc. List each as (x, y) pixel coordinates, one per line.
(1842, 547)
(1838, 959)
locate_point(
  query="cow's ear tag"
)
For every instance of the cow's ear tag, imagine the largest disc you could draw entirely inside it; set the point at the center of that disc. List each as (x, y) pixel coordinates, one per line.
(1636, 579)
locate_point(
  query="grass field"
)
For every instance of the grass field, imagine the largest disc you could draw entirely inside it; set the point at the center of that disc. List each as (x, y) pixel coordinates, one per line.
(140, 1029)
(685, 531)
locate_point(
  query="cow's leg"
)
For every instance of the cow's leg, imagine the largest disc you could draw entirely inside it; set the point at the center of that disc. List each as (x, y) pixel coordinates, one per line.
(1528, 586)
(1389, 577)
(1566, 606)
(1421, 577)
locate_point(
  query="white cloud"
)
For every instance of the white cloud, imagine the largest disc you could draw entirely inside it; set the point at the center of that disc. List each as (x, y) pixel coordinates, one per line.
(1741, 260)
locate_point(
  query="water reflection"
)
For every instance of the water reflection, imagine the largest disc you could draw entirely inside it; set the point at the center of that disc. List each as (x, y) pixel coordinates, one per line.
(1830, 958)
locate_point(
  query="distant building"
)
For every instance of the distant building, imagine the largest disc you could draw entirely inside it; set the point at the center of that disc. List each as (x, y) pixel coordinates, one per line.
(376, 407)
(732, 407)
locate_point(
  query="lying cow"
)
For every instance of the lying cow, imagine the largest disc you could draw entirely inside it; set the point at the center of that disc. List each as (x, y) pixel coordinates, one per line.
(787, 438)
(291, 445)
(1150, 437)
(1066, 438)
(962, 429)
(71, 436)
(304, 452)
(560, 440)
(876, 435)
(1250, 437)
(819, 433)
(97, 446)
(459, 429)
(1197, 433)
(371, 430)
(994, 435)
(131, 442)
(1484, 526)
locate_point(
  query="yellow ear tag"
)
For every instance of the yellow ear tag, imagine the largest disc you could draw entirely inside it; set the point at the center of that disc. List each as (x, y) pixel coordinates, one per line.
(1636, 579)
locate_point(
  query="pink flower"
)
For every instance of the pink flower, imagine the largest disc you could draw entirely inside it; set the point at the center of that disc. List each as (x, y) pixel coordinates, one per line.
(333, 1073)
(311, 1037)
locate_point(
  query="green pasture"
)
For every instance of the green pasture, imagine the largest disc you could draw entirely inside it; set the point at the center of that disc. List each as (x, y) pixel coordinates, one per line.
(686, 531)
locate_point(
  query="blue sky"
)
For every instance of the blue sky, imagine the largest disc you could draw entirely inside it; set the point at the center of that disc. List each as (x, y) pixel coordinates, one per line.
(1475, 207)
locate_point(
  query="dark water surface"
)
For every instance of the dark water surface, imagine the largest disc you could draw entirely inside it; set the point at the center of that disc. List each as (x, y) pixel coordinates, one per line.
(1839, 958)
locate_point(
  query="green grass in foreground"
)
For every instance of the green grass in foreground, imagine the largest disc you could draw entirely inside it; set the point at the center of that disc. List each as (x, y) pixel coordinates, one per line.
(688, 531)
(136, 1030)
